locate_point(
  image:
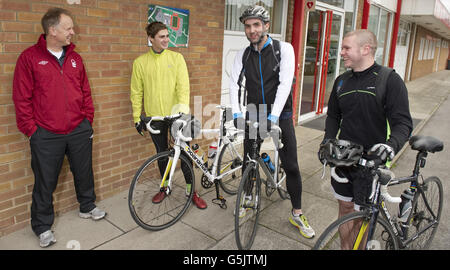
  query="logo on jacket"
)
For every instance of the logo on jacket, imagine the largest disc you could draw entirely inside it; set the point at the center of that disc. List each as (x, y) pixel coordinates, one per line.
(74, 64)
(43, 63)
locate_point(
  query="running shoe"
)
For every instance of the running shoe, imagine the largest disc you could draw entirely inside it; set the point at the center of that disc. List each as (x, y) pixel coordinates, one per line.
(302, 224)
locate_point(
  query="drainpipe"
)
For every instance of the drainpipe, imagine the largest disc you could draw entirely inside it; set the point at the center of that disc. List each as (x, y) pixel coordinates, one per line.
(297, 37)
(395, 34)
(365, 16)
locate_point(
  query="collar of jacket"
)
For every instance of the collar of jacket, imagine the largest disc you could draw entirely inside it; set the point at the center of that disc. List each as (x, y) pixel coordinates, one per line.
(42, 43)
(366, 71)
(268, 41)
(155, 53)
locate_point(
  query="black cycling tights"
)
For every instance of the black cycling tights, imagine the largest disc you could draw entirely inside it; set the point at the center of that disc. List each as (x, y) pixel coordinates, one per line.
(289, 162)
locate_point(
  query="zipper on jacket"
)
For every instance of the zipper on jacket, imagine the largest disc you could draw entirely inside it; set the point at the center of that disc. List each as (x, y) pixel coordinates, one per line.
(260, 72)
(262, 82)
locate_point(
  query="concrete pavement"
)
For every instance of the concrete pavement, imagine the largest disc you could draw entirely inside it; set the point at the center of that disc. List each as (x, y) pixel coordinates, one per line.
(213, 228)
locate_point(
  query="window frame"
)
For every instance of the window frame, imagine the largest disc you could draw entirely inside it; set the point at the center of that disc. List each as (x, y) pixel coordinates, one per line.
(281, 36)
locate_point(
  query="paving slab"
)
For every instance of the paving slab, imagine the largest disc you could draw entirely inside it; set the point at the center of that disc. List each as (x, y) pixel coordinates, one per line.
(177, 237)
(266, 239)
(320, 213)
(118, 211)
(71, 232)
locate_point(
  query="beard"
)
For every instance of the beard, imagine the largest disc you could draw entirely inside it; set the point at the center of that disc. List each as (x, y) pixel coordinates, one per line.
(256, 43)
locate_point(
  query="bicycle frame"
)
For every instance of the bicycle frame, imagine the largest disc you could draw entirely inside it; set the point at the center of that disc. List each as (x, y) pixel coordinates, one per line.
(183, 146)
(379, 203)
(258, 161)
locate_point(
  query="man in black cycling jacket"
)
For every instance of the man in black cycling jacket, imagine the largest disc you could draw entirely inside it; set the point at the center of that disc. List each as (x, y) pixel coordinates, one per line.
(356, 114)
(269, 70)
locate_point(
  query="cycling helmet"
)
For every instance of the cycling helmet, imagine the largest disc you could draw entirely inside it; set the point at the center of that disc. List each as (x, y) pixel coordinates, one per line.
(191, 129)
(256, 12)
(340, 152)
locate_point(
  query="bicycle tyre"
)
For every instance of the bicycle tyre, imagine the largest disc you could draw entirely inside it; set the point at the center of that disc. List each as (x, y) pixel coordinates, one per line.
(146, 184)
(227, 159)
(330, 239)
(421, 217)
(246, 225)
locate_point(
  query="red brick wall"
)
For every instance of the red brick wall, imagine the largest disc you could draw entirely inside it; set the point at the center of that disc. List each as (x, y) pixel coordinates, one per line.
(423, 67)
(110, 35)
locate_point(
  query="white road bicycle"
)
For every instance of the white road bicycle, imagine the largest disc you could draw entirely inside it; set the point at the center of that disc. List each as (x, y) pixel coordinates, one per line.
(171, 172)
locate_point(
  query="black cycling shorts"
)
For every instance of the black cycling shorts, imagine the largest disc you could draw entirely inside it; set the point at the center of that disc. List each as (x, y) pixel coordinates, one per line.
(357, 189)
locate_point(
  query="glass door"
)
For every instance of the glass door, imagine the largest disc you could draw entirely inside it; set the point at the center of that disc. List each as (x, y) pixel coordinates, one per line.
(321, 59)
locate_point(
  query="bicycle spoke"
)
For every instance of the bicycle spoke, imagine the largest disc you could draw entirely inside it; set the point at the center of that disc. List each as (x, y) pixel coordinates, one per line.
(426, 213)
(350, 232)
(153, 204)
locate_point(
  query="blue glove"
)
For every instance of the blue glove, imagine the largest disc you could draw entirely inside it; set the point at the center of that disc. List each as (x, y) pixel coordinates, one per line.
(273, 120)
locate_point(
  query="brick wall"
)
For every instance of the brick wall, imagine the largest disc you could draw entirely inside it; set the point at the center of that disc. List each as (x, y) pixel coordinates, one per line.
(423, 67)
(110, 35)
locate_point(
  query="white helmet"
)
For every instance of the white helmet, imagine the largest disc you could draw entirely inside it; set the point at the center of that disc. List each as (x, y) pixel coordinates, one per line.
(256, 12)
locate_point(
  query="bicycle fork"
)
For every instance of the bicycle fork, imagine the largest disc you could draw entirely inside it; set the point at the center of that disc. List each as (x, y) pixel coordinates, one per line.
(170, 170)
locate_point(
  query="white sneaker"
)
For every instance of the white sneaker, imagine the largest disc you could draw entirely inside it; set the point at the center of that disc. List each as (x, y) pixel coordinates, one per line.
(302, 224)
(95, 214)
(46, 239)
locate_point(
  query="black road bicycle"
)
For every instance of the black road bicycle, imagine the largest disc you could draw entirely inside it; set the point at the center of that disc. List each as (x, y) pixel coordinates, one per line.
(374, 227)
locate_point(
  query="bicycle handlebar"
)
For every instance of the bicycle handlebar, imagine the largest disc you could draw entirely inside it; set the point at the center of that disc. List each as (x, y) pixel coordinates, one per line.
(148, 120)
(274, 133)
(383, 176)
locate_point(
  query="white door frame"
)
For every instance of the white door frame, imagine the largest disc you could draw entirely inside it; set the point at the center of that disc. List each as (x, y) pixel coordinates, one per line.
(322, 7)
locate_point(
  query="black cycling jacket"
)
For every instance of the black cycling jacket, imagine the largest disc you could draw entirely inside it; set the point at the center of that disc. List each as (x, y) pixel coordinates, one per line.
(353, 109)
(267, 81)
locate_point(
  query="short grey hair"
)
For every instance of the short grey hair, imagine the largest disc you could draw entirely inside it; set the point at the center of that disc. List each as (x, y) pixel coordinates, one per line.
(365, 37)
(52, 17)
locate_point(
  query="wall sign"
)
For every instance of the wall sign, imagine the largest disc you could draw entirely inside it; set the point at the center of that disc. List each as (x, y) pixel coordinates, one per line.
(310, 5)
(177, 21)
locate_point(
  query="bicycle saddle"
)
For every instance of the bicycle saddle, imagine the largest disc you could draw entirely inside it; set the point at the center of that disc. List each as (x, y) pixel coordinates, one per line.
(426, 143)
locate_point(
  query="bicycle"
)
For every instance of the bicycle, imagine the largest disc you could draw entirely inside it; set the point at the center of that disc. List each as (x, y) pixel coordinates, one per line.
(172, 173)
(419, 214)
(248, 201)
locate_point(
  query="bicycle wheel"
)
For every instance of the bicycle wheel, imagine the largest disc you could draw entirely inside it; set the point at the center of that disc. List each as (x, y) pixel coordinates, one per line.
(426, 214)
(248, 204)
(282, 190)
(228, 159)
(157, 213)
(350, 232)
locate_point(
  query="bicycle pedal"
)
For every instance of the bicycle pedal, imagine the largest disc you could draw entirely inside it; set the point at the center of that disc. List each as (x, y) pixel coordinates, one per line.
(221, 202)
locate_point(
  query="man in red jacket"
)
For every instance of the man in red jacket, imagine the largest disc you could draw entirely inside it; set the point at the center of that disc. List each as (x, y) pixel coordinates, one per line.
(53, 103)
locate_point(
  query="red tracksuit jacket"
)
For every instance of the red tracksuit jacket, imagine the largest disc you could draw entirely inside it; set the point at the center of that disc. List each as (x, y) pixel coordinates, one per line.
(55, 98)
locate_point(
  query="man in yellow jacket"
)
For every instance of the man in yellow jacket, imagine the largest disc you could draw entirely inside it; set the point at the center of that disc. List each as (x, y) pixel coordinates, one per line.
(160, 80)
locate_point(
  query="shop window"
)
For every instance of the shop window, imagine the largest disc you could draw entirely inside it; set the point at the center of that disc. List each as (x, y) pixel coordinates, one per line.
(421, 49)
(404, 29)
(235, 8)
(350, 7)
(380, 23)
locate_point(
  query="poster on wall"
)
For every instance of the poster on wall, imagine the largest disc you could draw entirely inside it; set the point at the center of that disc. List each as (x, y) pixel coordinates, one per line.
(177, 21)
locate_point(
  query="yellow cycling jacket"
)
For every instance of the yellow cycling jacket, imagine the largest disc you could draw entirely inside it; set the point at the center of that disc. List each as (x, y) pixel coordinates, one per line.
(162, 81)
